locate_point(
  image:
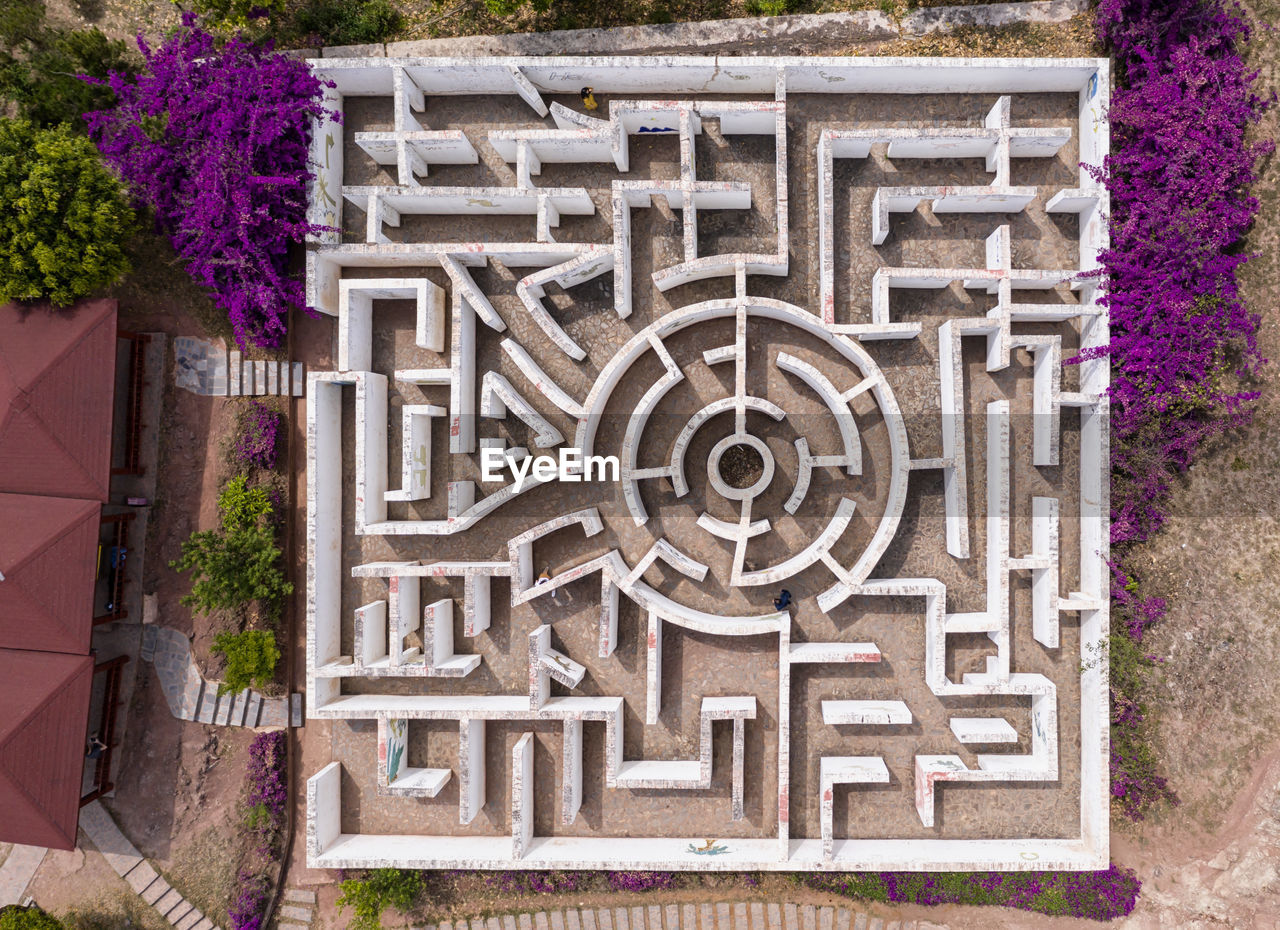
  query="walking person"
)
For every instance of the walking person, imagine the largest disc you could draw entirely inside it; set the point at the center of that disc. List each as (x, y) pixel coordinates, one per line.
(782, 600)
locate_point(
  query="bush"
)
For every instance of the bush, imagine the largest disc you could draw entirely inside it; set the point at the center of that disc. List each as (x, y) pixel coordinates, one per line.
(231, 15)
(264, 818)
(251, 657)
(258, 437)
(64, 219)
(380, 889)
(1103, 895)
(239, 562)
(346, 22)
(215, 139)
(768, 7)
(250, 903)
(27, 918)
(244, 508)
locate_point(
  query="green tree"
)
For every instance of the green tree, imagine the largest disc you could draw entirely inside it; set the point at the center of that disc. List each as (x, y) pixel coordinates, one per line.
(231, 568)
(41, 67)
(27, 918)
(380, 889)
(251, 659)
(64, 219)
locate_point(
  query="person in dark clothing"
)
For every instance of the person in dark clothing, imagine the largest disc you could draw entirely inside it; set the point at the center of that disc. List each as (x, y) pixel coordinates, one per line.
(782, 600)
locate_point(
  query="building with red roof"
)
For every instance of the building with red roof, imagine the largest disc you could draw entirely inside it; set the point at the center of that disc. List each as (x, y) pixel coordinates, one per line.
(57, 386)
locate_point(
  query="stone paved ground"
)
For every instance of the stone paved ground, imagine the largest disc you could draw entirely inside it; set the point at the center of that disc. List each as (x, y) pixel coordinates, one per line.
(755, 915)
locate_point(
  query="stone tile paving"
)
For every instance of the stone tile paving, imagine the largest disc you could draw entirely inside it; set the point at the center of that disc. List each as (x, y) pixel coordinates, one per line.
(17, 868)
(755, 915)
(206, 367)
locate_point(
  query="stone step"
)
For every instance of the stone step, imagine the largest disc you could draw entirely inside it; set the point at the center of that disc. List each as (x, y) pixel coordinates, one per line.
(190, 919)
(254, 714)
(192, 693)
(155, 891)
(295, 710)
(235, 369)
(295, 912)
(208, 705)
(170, 901)
(300, 896)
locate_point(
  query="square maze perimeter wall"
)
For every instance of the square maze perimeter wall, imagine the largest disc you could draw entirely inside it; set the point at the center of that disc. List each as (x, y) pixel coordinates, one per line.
(865, 273)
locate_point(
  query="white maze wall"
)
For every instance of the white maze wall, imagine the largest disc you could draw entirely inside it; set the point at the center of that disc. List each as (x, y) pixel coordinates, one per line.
(459, 315)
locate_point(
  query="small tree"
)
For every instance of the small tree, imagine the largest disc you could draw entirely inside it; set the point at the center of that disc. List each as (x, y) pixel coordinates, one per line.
(230, 569)
(64, 219)
(251, 659)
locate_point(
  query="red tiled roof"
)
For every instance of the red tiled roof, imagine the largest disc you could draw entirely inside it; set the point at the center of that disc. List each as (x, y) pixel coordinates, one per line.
(48, 558)
(45, 697)
(57, 378)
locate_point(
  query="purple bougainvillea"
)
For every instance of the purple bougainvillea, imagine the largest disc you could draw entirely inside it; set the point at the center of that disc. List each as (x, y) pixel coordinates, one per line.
(266, 792)
(1183, 343)
(642, 881)
(215, 138)
(540, 882)
(1103, 895)
(250, 903)
(257, 444)
(266, 801)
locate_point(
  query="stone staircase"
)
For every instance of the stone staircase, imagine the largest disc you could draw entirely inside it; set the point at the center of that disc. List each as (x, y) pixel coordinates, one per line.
(138, 873)
(296, 910)
(191, 697)
(206, 367)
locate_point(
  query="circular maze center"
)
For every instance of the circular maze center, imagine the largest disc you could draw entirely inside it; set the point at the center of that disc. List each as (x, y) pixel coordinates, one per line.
(741, 466)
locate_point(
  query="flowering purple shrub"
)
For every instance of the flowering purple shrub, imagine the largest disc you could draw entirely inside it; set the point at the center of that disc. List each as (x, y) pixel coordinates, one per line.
(266, 798)
(1182, 341)
(257, 444)
(250, 902)
(1102, 895)
(1178, 174)
(642, 881)
(266, 792)
(215, 140)
(540, 882)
